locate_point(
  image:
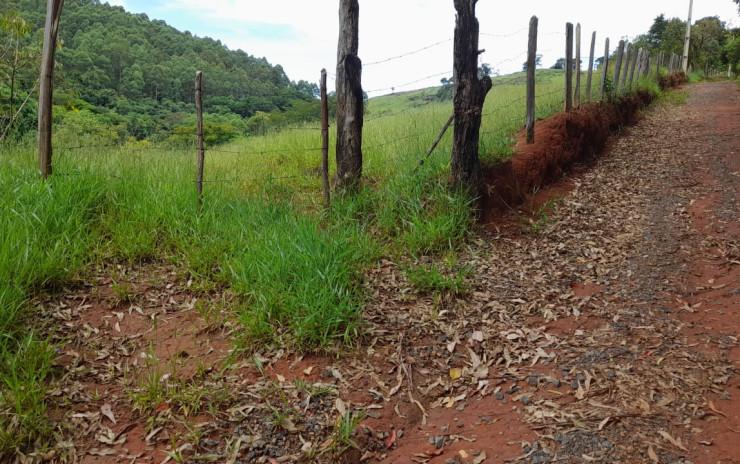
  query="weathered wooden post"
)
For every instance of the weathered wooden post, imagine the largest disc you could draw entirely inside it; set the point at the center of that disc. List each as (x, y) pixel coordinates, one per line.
(325, 140)
(636, 56)
(590, 66)
(531, 65)
(46, 84)
(627, 59)
(604, 68)
(469, 96)
(618, 66)
(349, 98)
(568, 67)
(199, 134)
(577, 94)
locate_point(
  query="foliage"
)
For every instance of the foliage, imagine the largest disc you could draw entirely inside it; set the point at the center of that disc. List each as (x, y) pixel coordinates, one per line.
(559, 64)
(19, 60)
(214, 133)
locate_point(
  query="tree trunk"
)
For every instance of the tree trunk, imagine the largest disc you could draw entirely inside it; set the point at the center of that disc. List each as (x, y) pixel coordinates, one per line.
(469, 96)
(53, 13)
(349, 98)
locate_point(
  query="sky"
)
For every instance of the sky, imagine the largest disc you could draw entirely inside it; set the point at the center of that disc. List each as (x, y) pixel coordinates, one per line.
(301, 35)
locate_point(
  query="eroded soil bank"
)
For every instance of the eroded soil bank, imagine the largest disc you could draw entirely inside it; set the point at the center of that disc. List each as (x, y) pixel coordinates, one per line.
(560, 141)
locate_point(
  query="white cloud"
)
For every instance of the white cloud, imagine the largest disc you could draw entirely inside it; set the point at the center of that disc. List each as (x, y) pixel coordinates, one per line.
(118, 3)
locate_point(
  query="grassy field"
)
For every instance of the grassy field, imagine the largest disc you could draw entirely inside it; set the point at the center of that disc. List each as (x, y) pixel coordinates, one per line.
(296, 268)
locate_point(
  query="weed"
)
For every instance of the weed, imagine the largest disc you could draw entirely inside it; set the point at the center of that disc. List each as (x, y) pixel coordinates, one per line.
(434, 278)
(313, 390)
(344, 431)
(122, 292)
(539, 224)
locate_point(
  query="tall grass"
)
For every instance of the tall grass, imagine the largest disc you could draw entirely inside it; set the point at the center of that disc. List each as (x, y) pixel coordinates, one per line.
(47, 231)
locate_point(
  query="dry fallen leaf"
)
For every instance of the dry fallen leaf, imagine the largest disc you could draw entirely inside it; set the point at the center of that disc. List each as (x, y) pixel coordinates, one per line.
(455, 373)
(480, 458)
(107, 411)
(340, 407)
(675, 442)
(651, 454)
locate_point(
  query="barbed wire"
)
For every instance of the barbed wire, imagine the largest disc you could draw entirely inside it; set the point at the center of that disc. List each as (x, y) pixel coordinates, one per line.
(501, 36)
(391, 88)
(373, 63)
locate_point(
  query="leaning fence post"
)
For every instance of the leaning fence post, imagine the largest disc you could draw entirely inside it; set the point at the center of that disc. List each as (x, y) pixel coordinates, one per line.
(629, 51)
(325, 139)
(604, 68)
(618, 65)
(531, 65)
(199, 133)
(636, 55)
(590, 66)
(577, 95)
(568, 67)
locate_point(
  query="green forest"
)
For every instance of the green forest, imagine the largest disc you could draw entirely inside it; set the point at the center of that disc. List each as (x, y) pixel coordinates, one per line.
(123, 77)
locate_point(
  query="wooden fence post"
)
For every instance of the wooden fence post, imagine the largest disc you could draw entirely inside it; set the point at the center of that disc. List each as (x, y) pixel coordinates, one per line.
(325, 140)
(469, 96)
(577, 94)
(46, 85)
(568, 67)
(531, 65)
(627, 60)
(199, 134)
(349, 98)
(618, 66)
(604, 68)
(590, 66)
(636, 56)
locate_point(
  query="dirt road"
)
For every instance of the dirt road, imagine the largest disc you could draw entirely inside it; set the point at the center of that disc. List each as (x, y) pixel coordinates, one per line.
(608, 330)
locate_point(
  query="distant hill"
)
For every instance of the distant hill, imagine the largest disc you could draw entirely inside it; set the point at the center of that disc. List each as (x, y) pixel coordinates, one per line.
(127, 63)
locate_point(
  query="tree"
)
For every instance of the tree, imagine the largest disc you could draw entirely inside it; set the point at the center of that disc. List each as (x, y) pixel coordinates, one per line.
(731, 53)
(707, 40)
(559, 64)
(18, 59)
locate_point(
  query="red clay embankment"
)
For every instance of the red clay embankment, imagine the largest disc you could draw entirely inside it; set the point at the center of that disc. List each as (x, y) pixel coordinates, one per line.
(560, 141)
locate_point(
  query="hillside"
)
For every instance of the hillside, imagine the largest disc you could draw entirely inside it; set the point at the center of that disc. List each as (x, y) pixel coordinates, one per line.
(111, 61)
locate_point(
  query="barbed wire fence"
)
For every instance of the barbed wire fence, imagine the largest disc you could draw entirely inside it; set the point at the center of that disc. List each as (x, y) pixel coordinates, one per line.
(503, 115)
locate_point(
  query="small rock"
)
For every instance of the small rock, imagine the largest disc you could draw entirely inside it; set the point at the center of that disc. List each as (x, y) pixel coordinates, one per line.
(461, 406)
(439, 441)
(432, 440)
(499, 395)
(574, 385)
(399, 433)
(444, 428)
(533, 380)
(526, 401)
(555, 382)
(460, 425)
